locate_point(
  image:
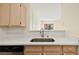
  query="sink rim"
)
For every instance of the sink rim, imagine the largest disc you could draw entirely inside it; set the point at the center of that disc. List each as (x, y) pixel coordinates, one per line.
(42, 40)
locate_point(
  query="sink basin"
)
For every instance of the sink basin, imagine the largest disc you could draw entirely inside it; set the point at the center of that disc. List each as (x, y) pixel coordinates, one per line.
(42, 40)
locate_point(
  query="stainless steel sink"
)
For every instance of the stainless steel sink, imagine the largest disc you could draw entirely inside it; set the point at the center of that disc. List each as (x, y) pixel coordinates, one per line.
(42, 40)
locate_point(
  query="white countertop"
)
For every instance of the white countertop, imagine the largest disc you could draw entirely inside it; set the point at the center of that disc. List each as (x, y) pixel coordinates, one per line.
(62, 41)
(58, 41)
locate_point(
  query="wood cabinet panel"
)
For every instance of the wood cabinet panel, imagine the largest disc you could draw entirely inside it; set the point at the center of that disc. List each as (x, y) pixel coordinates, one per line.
(4, 14)
(33, 48)
(14, 14)
(71, 49)
(18, 15)
(23, 16)
(53, 48)
(50, 50)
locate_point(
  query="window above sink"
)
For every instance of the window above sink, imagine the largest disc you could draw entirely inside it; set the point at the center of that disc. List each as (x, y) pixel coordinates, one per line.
(45, 13)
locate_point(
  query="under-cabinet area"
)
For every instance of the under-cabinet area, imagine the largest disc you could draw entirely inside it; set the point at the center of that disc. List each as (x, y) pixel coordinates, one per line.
(50, 50)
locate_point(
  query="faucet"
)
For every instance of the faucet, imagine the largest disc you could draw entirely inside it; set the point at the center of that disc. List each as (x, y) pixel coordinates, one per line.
(42, 32)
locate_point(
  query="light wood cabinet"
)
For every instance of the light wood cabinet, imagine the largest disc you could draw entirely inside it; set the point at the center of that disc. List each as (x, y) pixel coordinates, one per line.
(32, 50)
(50, 50)
(54, 48)
(17, 15)
(13, 14)
(4, 14)
(43, 50)
(69, 50)
(23, 15)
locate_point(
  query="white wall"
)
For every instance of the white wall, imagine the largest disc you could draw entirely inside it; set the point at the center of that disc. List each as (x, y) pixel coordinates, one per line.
(70, 15)
(43, 11)
(46, 10)
(23, 34)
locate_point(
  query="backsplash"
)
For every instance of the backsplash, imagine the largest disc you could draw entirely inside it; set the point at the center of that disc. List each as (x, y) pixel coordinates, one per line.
(22, 34)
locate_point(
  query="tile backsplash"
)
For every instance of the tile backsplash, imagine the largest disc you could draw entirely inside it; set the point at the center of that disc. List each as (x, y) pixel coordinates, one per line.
(22, 34)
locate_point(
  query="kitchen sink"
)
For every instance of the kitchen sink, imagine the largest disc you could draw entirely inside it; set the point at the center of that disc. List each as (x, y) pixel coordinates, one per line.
(42, 40)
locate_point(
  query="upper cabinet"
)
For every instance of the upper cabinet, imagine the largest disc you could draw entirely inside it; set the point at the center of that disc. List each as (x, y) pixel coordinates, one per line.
(4, 14)
(17, 15)
(12, 14)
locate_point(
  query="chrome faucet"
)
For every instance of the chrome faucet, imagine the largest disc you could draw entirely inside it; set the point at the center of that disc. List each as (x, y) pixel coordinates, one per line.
(42, 32)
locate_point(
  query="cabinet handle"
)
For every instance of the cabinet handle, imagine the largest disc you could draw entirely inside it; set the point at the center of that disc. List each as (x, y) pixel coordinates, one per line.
(42, 53)
(20, 22)
(20, 5)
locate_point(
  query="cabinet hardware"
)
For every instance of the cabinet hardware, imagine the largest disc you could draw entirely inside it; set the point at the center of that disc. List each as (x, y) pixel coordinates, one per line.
(20, 22)
(20, 5)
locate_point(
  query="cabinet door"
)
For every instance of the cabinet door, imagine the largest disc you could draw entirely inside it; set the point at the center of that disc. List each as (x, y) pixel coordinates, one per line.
(23, 15)
(33, 48)
(71, 49)
(14, 14)
(4, 14)
(17, 15)
(55, 48)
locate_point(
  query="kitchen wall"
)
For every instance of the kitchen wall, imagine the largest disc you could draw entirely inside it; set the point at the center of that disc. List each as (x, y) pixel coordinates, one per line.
(43, 12)
(22, 34)
(70, 15)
